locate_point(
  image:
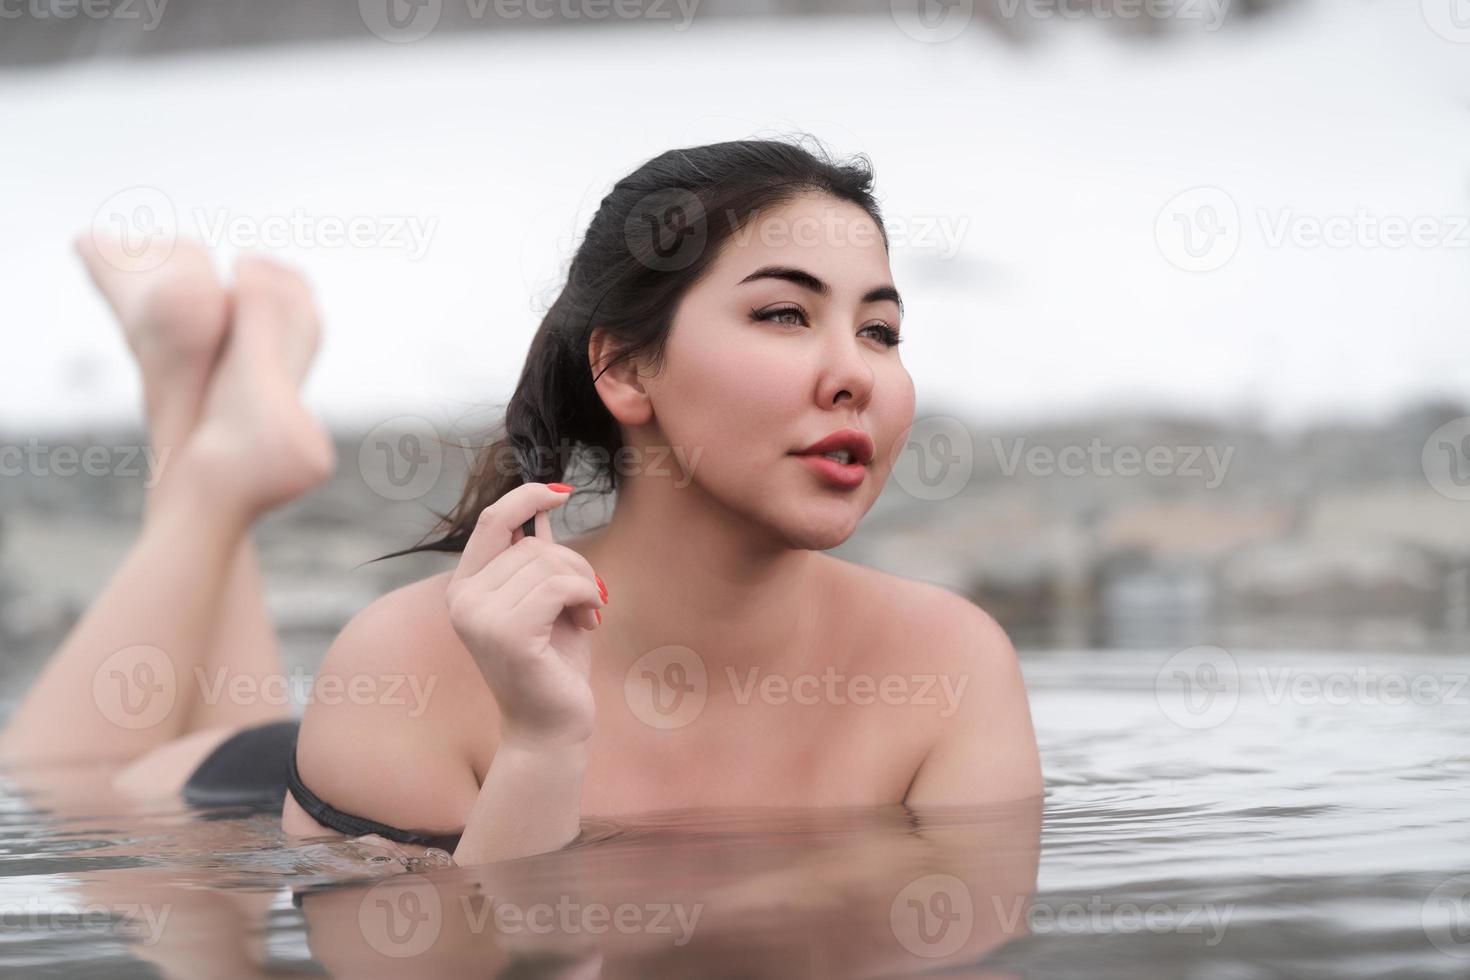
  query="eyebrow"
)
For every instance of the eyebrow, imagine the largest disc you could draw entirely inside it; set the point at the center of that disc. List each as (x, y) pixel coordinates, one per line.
(806, 280)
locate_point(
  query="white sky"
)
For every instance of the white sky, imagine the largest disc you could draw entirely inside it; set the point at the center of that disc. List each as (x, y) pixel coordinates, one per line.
(1054, 162)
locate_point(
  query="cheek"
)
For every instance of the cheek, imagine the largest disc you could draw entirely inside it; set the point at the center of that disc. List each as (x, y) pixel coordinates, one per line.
(728, 394)
(893, 415)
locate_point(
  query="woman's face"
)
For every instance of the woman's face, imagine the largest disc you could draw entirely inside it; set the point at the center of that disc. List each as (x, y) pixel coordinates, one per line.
(785, 340)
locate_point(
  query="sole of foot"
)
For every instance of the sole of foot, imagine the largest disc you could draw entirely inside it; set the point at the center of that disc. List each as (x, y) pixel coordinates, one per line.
(255, 435)
(173, 314)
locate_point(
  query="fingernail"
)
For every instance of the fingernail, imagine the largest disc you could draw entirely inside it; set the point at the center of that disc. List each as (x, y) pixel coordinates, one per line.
(560, 487)
(600, 586)
(598, 612)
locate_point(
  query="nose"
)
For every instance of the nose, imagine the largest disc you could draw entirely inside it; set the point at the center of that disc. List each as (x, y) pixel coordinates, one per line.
(847, 377)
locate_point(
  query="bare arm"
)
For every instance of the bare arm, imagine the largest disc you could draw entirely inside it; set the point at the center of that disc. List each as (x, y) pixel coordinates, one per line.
(513, 618)
(409, 761)
(523, 607)
(530, 803)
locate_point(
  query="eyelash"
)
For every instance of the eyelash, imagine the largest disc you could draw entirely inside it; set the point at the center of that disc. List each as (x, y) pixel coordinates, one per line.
(890, 337)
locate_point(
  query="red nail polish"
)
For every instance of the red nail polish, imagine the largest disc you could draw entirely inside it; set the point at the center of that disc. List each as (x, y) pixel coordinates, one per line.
(598, 613)
(600, 586)
(560, 487)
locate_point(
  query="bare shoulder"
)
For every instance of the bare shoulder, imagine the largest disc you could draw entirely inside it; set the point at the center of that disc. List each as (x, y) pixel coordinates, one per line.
(981, 742)
(931, 620)
(983, 748)
(405, 639)
(390, 727)
(408, 626)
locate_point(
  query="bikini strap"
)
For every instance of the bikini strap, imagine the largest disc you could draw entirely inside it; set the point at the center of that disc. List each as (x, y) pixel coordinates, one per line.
(351, 824)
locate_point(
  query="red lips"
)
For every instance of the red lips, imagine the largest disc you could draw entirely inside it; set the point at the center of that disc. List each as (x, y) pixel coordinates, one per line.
(855, 441)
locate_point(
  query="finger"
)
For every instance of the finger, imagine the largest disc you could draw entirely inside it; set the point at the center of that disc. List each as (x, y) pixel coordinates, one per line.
(510, 561)
(559, 593)
(587, 616)
(529, 576)
(509, 567)
(517, 556)
(537, 526)
(534, 576)
(493, 531)
(515, 571)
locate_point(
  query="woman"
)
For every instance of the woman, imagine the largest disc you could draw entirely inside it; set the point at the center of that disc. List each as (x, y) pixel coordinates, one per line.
(729, 316)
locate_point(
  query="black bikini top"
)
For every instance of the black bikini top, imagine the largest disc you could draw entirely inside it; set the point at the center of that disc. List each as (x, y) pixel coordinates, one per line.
(354, 826)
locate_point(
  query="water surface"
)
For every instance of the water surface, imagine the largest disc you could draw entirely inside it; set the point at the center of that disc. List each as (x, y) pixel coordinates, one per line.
(1206, 816)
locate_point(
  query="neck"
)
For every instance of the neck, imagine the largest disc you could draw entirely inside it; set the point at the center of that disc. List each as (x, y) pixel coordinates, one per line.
(682, 569)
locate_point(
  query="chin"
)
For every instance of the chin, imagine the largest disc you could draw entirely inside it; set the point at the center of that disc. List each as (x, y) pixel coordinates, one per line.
(794, 516)
(819, 533)
(816, 542)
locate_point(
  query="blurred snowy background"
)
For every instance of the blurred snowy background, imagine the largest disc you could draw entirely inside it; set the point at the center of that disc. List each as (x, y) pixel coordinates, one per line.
(1227, 237)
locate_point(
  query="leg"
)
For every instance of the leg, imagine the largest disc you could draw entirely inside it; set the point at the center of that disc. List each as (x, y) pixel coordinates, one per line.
(175, 322)
(276, 300)
(244, 645)
(125, 680)
(273, 301)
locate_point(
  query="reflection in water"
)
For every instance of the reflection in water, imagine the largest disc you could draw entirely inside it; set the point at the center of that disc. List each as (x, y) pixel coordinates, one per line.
(1314, 827)
(739, 893)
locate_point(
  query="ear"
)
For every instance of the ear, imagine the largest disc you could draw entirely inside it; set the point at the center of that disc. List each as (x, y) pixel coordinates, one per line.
(620, 386)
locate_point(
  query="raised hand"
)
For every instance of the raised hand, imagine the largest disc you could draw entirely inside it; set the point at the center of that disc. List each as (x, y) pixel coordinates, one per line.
(524, 607)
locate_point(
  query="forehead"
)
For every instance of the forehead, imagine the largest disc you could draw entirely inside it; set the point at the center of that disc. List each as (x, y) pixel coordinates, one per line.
(836, 240)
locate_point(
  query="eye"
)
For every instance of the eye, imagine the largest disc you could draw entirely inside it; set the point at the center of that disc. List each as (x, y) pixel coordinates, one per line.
(779, 315)
(887, 335)
(794, 316)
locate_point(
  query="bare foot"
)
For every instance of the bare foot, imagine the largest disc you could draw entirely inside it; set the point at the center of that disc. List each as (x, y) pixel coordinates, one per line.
(173, 316)
(256, 439)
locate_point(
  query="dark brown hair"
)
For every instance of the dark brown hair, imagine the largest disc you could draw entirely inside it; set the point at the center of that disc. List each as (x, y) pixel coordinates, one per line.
(653, 236)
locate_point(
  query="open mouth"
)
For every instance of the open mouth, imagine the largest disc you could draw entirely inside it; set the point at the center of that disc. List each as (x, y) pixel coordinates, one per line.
(837, 468)
(841, 458)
